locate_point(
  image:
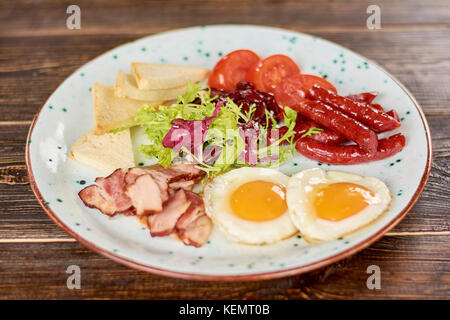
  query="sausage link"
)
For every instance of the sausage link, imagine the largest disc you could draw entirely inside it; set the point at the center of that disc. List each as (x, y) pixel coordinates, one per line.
(393, 114)
(326, 136)
(339, 122)
(365, 113)
(349, 154)
(364, 97)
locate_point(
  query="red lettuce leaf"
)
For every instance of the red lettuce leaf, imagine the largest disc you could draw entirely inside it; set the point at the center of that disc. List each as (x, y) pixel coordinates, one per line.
(189, 133)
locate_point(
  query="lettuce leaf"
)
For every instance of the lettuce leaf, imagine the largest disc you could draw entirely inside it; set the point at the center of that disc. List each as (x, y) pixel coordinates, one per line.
(223, 146)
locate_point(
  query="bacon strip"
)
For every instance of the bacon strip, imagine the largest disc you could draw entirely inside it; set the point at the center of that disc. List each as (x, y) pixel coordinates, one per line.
(114, 190)
(194, 226)
(163, 223)
(195, 211)
(145, 195)
(177, 171)
(109, 196)
(160, 196)
(182, 184)
(92, 197)
(134, 173)
(197, 233)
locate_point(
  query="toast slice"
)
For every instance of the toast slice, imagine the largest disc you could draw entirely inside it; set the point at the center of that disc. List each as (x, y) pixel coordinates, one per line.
(105, 152)
(111, 112)
(126, 87)
(151, 76)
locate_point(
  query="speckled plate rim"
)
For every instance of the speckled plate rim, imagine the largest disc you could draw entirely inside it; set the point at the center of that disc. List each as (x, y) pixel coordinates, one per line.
(247, 277)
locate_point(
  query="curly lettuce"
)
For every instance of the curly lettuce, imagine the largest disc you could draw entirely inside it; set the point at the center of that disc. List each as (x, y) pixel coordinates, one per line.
(223, 145)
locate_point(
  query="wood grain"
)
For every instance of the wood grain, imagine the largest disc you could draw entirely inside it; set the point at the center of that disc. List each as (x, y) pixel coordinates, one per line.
(146, 17)
(408, 265)
(422, 68)
(37, 52)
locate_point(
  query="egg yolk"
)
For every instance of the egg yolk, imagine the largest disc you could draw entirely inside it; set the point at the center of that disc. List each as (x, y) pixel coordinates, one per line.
(259, 200)
(341, 200)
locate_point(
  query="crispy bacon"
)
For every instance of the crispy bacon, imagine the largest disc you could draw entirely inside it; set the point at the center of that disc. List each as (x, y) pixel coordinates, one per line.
(194, 226)
(92, 197)
(195, 210)
(145, 195)
(109, 196)
(197, 233)
(114, 187)
(161, 196)
(182, 184)
(177, 171)
(132, 174)
(163, 223)
(178, 175)
(162, 184)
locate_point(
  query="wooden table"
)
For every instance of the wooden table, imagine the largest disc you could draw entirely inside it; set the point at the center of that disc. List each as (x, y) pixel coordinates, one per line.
(37, 52)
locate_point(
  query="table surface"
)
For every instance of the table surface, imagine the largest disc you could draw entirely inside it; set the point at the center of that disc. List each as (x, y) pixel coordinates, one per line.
(37, 52)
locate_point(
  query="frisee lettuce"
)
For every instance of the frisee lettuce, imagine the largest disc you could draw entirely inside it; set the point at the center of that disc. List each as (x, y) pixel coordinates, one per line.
(311, 131)
(222, 133)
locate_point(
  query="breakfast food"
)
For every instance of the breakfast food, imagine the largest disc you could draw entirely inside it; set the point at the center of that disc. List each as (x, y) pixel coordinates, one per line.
(374, 118)
(111, 112)
(126, 87)
(349, 154)
(365, 97)
(152, 76)
(105, 152)
(269, 73)
(226, 140)
(339, 122)
(249, 205)
(215, 132)
(232, 69)
(326, 135)
(162, 197)
(327, 205)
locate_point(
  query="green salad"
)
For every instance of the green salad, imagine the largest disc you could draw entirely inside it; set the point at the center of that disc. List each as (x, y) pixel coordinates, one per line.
(223, 123)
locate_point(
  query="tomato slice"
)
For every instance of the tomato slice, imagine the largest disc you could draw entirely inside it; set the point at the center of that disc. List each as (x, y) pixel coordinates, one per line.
(310, 80)
(267, 74)
(231, 69)
(292, 90)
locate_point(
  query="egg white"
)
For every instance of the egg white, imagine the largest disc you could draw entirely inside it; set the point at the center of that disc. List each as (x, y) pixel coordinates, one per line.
(315, 229)
(216, 195)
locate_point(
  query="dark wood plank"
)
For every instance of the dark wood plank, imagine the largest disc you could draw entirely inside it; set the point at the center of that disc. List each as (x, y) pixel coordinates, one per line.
(21, 216)
(25, 217)
(411, 267)
(144, 17)
(420, 59)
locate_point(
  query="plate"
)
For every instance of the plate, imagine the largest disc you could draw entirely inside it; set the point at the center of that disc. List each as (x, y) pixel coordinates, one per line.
(65, 116)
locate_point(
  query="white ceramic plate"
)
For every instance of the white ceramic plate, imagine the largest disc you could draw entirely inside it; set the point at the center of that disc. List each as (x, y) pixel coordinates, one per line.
(67, 114)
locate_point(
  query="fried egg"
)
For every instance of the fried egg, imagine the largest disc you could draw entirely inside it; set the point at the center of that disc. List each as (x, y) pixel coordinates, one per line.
(249, 205)
(326, 205)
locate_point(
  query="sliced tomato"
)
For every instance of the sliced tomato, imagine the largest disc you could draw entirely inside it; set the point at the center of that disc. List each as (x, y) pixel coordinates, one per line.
(310, 80)
(231, 69)
(267, 74)
(290, 91)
